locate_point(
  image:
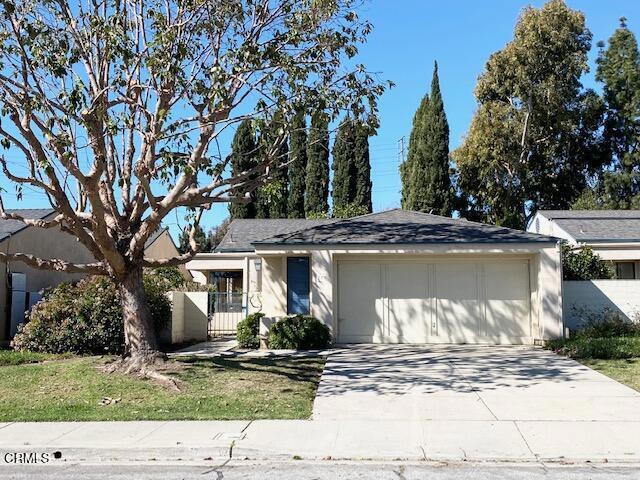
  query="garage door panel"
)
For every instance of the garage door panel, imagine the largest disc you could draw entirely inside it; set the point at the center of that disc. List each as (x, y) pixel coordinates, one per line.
(507, 300)
(359, 292)
(458, 305)
(409, 305)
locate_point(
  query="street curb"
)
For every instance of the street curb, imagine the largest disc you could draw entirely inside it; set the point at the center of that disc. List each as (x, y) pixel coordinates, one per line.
(221, 454)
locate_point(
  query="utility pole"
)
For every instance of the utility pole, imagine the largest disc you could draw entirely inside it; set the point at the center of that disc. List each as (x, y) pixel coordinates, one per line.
(401, 150)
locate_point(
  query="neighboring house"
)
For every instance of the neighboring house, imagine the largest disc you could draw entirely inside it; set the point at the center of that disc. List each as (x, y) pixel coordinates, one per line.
(612, 234)
(392, 277)
(21, 285)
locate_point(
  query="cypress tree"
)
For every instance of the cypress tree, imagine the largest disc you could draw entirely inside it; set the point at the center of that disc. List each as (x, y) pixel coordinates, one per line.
(619, 71)
(243, 157)
(317, 180)
(297, 166)
(344, 174)
(437, 193)
(362, 169)
(426, 181)
(408, 166)
(271, 198)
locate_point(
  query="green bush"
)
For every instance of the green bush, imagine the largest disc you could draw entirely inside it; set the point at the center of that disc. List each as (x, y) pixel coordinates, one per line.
(248, 330)
(601, 348)
(606, 325)
(85, 317)
(582, 264)
(299, 332)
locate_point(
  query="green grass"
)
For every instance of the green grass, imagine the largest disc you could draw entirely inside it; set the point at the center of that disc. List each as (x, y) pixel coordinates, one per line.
(214, 389)
(602, 348)
(10, 357)
(625, 371)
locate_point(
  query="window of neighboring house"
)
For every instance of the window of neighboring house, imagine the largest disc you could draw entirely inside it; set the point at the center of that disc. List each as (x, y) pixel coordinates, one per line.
(626, 270)
(298, 285)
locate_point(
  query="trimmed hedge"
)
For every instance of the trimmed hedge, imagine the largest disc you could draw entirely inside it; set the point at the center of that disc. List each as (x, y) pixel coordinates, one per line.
(86, 317)
(248, 331)
(300, 332)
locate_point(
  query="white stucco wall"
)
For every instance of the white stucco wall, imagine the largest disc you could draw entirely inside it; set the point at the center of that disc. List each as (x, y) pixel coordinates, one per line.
(189, 316)
(588, 299)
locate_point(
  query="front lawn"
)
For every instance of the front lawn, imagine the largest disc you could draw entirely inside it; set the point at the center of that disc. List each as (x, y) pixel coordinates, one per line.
(73, 389)
(625, 371)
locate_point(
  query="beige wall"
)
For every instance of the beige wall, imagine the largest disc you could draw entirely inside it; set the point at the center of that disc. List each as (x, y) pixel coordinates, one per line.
(45, 243)
(163, 247)
(189, 316)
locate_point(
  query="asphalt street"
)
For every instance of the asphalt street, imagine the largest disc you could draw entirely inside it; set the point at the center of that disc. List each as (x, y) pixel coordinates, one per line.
(320, 470)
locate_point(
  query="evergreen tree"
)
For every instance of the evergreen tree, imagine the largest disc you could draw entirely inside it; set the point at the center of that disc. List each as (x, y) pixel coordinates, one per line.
(344, 175)
(431, 181)
(271, 198)
(317, 180)
(244, 156)
(619, 71)
(297, 166)
(535, 138)
(202, 240)
(425, 175)
(407, 167)
(362, 170)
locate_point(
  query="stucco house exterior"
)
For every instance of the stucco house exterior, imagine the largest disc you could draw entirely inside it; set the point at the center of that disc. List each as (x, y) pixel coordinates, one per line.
(20, 285)
(394, 277)
(612, 234)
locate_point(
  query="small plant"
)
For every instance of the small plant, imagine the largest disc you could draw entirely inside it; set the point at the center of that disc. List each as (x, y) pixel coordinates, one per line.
(300, 332)
(248, 331)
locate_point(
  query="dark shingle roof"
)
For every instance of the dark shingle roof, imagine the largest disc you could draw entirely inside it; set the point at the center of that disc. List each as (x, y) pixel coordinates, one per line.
(402, 227)
(10, 227)
(597, 225)
(242, 233)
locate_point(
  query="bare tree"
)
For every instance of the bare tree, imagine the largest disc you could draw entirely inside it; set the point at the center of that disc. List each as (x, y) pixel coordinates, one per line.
(115, 108)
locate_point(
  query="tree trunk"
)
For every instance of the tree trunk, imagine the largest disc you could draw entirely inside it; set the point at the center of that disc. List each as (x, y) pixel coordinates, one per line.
(140, 340)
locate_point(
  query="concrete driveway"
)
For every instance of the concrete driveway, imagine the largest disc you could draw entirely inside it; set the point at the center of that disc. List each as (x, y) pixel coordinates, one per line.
(477, 402)
(405, 382)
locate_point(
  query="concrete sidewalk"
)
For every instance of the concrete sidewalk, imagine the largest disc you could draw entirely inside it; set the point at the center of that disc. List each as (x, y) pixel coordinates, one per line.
(196, 441)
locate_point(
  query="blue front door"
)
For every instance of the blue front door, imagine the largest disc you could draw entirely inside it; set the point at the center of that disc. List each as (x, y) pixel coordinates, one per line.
(298, 285)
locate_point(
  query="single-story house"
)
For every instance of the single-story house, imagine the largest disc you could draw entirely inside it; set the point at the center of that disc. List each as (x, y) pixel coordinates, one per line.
(20, 285)
(613, 234)
(393, 277)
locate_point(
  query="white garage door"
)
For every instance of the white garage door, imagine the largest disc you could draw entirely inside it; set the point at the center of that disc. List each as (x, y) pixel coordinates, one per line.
(434, 302)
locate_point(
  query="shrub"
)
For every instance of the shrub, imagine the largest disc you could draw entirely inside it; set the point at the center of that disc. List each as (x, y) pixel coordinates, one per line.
(299, 332)
(85, 317)
(583, 264)
(608, 324)
(248, 331)
(602, 348)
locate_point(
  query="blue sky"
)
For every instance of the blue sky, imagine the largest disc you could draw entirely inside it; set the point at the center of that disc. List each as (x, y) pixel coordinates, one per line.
(408, 36)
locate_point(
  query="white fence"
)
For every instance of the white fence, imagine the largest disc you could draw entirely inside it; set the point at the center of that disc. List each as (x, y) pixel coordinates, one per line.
(582, 300)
